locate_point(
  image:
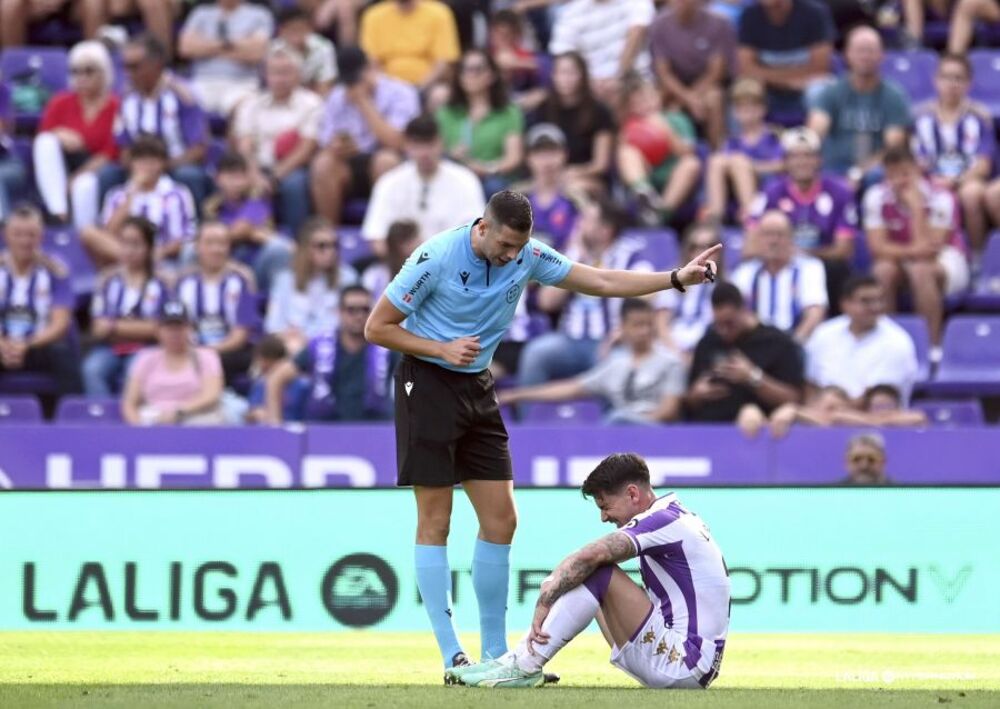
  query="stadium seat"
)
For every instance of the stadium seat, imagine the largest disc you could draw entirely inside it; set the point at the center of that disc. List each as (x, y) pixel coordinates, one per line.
(17, 64)
(29, 383)
(970, 365)
(20, 409)
(733, 239)
(80, 410)
(353, 247)
(582, 411)
(64, 243)
(952, 413)
(986, 79)
(916, 328)
(659, 245)
(985, 293)
(914, 71)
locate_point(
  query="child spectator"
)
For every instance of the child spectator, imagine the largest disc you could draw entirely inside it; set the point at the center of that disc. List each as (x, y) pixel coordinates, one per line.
(656, 151)
(267, 355)
(749, 158)
(151, 193)
(250, 221)
(518, 64)
(554, 212)
(124, 310)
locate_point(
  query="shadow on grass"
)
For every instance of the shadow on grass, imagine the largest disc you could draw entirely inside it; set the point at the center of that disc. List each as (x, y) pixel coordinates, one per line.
(211, 696)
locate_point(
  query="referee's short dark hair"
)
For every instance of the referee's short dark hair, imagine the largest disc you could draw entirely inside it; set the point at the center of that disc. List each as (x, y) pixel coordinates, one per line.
(510, 209)
(615, 472)
(726, 294)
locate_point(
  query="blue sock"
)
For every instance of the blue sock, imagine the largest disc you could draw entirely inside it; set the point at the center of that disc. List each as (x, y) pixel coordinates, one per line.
(434, 583)
(490, 577)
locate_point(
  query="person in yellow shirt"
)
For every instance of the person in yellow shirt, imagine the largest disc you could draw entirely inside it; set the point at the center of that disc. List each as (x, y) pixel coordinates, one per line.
(412, 40)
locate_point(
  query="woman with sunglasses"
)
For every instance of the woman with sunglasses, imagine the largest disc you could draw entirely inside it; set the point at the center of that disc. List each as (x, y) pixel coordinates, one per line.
(303, 302)
(480, 126)
(76, 138)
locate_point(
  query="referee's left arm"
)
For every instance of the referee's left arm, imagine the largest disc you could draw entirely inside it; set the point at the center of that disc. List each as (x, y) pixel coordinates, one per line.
(606, 283)
(384, 328)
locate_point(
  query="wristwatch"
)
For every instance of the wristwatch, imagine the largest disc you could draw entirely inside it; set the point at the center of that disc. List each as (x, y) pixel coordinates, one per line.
(676, 282)
(756, 377)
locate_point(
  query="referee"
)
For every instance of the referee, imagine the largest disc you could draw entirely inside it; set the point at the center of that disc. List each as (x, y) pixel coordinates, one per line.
(457, 294)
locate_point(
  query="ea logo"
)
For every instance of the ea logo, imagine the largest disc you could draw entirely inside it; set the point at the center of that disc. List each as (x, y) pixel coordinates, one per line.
(513, 292)
(360, 590)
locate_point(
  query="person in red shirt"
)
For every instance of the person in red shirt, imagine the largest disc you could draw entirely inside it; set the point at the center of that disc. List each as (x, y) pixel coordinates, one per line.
(76, 137)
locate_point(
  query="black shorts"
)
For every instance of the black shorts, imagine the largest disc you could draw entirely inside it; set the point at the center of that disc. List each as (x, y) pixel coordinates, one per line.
(448, 426)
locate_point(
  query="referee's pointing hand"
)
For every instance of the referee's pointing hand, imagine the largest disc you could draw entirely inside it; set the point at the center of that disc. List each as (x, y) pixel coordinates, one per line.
(701, 269)
(461, 352)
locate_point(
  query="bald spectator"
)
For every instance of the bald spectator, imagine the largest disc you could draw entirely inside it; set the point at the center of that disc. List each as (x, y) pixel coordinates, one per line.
(784, 287)
(861, 113)
(361, 133)
(913, 236)
(863, 347)
(693, 50)
(276, 131)
(786, 44)
(866, 461)
(611, 36)
(412, 40)
(225, 42)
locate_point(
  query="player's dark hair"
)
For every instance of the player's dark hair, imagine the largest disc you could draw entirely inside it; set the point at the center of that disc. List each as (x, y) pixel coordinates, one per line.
(152, 47)
(148, 231)
(510, 209)
(726, 294)
(885, 389)
(614, 473)
(348, 290)
(855, 283)
(148, 146)
(422, 129)
(271, 347)
(898, 155)
(635, 305)
(232, 161)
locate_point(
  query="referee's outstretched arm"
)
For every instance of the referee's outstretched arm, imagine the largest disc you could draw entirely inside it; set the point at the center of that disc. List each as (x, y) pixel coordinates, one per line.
(629, 284)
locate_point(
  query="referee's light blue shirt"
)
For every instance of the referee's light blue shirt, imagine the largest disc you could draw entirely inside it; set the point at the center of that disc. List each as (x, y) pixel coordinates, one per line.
(447, 292)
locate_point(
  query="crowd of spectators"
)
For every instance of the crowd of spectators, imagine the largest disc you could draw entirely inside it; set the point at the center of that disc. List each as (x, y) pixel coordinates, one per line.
(205, 156)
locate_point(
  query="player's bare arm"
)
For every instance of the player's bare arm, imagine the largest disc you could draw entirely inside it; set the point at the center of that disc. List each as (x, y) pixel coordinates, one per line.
(607, 283)
(574, 570)
(384, 328)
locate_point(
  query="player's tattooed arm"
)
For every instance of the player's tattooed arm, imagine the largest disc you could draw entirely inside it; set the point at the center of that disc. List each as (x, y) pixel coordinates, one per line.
(575, 568)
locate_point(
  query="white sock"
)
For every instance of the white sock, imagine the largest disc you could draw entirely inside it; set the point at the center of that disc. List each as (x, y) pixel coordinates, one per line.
(50, 173)
(569, 616)
(85, 189)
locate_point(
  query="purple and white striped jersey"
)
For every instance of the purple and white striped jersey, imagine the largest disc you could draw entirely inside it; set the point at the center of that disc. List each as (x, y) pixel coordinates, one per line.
(588, 317)
(27, 301)
(168, 205)
(172, 115)
(115, 298)
(949, 149)
(218, 305)
(684, 574)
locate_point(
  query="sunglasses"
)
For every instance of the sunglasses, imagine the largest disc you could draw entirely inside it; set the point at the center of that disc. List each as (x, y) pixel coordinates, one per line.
(356, 309)
(323, 245)
(83, 70)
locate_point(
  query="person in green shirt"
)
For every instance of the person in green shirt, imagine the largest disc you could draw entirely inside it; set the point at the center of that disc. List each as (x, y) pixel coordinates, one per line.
(480, 126)
(656, 151)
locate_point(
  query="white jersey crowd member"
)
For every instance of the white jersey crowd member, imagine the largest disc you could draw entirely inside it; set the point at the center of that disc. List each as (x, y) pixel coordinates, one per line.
(669, 634)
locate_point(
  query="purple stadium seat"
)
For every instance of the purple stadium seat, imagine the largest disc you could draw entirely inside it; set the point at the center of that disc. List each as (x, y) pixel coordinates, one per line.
(985, 293)
(733, 239)
(914, 71)
(952, 413)
(50, 63)
(353, 247)
(659, 245)
(986, 79)
(970, 365)
(582, 411)
(916, 327)
(64, 243)
(80, 410)
(28, 383)
(20, 409)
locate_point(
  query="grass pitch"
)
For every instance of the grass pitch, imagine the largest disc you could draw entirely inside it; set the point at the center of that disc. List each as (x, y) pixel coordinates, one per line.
(226, 670)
